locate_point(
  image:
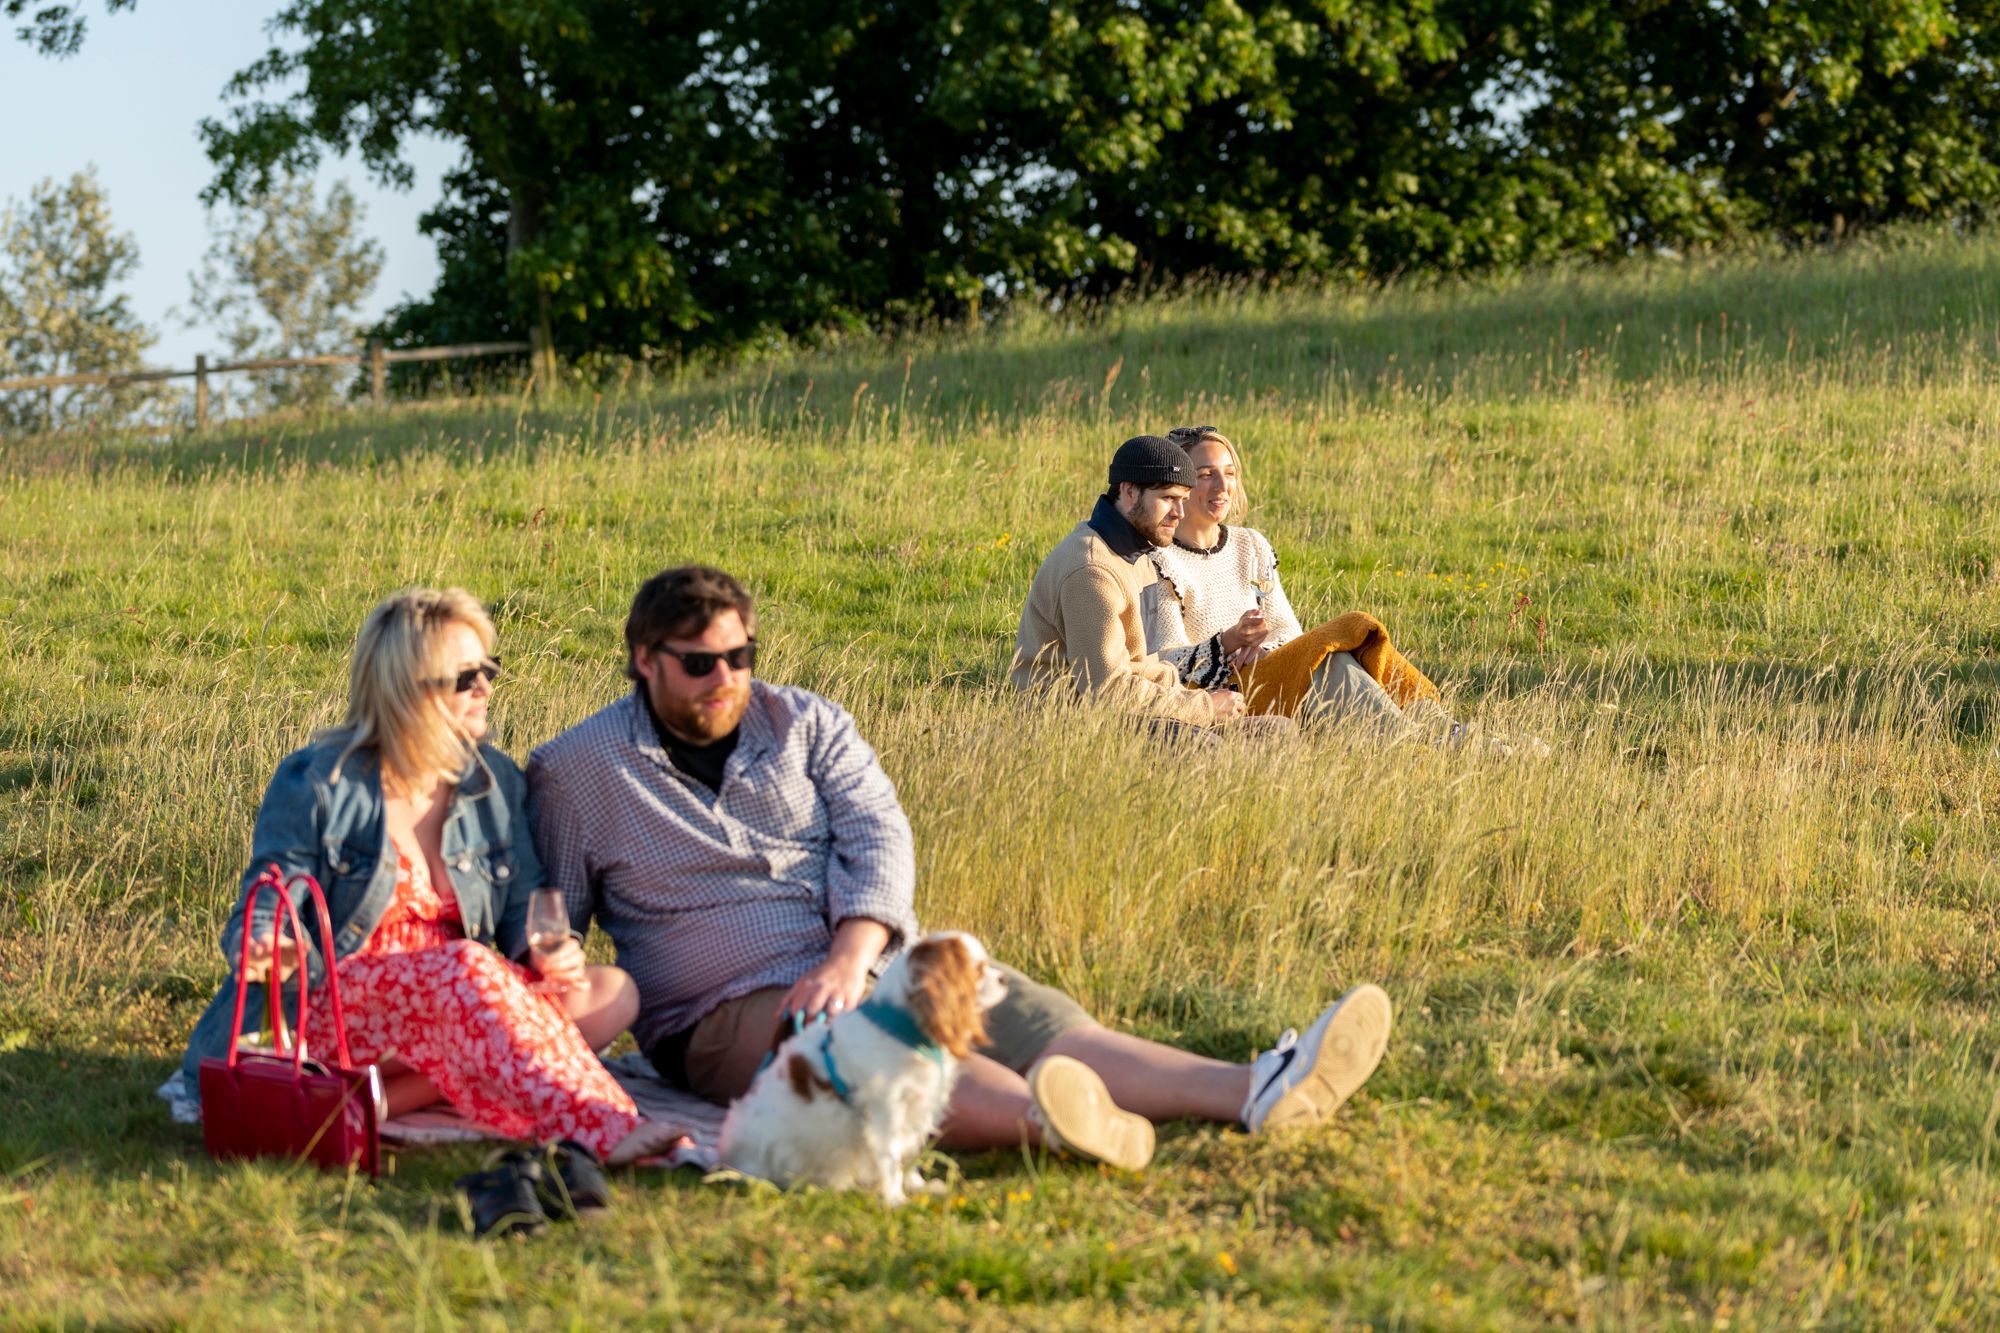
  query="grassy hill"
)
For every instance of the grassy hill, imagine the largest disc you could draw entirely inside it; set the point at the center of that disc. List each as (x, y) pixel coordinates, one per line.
(1694, 1019)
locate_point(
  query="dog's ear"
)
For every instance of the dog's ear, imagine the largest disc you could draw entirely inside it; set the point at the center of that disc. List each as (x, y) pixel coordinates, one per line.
(944, 993)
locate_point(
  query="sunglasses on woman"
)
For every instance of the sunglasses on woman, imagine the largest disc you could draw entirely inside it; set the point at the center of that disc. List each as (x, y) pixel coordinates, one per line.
(699, 663)
(464, 680)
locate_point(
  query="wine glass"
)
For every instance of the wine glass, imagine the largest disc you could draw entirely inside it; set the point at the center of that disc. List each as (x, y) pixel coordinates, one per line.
(1265, 581)
(548, 930)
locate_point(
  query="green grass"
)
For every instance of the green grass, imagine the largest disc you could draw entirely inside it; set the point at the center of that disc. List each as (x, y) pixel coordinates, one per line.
(1694, 1021)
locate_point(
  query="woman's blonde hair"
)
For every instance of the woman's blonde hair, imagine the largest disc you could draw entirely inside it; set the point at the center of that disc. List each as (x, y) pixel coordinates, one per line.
(393, 685)
(1192, 437)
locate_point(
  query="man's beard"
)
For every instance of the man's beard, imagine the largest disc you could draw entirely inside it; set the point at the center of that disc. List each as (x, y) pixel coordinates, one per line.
(1160, 533)
(689, 718)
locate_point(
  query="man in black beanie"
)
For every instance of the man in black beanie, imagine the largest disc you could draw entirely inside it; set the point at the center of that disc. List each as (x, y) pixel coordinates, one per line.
(1084, 628)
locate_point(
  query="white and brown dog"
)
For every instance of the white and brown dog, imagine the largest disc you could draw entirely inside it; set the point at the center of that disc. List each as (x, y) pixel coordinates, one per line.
(848, 1104)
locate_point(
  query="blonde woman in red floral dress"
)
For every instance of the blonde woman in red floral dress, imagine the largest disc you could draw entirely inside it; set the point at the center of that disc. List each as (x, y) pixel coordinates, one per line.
(417, 830)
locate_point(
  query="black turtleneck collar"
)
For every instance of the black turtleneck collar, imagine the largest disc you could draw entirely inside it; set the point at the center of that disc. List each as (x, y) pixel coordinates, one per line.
(1117, 531)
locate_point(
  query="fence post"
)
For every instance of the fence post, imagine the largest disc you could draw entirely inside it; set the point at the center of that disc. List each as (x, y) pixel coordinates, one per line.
(378, 372)
(201, 391)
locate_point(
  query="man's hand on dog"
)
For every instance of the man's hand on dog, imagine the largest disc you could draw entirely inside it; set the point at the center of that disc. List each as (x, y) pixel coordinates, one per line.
(833, 987)
(839, 983)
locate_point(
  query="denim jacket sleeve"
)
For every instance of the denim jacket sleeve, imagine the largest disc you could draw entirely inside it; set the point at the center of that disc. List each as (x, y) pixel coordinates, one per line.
(510, 933)
(288, 833)
(562, 838)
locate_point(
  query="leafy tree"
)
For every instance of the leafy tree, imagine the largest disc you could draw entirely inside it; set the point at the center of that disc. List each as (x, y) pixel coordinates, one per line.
(1810, 119)
(60, 259)
(569, 112)
(691, 171)
(53, 27)
(286, 277)
(914, 159)
(1368, 139)
(940, 151)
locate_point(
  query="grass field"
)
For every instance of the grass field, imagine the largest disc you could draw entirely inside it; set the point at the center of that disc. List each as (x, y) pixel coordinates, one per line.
(1694, 1020)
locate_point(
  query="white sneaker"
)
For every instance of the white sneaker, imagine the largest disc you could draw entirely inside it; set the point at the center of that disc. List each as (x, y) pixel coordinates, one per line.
(1076, 1115)
(1302, 1081)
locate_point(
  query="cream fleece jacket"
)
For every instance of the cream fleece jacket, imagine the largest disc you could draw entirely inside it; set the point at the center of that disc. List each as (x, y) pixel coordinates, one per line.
(1084, 628)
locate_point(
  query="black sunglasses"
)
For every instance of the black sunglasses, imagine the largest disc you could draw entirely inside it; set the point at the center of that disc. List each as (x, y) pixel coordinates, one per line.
(699, 663)
(463, 681)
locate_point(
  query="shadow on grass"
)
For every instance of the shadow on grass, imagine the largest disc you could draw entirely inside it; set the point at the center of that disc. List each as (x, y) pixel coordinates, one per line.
(93, 1110)
(1632, 326)
(97, 1114)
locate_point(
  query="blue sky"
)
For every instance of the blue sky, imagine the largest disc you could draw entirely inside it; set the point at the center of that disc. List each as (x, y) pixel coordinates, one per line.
(130, 102)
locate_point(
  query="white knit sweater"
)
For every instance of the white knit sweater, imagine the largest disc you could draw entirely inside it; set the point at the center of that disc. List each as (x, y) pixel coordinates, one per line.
(1211, 591)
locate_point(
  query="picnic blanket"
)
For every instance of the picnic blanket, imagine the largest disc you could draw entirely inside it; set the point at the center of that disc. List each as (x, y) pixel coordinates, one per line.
(1279, 682)
(701, 1121)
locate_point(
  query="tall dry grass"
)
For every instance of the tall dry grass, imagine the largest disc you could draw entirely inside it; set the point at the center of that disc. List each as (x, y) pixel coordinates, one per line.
(1694, 1016)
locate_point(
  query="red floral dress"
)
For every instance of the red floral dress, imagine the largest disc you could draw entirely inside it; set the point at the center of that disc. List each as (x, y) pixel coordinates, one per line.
(455, 1011)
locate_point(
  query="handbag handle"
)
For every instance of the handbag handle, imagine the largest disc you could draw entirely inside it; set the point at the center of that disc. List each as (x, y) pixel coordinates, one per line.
(274, 1015)
(273, 880)
(326, 956)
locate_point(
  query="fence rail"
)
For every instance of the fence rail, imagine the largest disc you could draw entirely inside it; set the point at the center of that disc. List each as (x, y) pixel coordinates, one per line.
(377, 358)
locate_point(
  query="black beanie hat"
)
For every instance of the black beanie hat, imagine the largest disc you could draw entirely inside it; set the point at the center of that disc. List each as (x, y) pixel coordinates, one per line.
(1149, 460)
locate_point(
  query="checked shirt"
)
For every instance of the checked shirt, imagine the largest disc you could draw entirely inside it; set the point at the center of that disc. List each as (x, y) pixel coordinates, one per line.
(712, 895)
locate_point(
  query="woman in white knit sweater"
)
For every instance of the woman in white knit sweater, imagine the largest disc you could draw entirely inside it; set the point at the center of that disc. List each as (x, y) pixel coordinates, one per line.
(1229, 613)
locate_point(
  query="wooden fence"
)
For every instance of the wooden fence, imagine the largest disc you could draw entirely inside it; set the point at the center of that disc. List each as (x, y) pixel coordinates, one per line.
(378, 359)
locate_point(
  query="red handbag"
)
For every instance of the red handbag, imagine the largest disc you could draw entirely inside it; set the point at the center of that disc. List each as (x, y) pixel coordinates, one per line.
(277, 1105)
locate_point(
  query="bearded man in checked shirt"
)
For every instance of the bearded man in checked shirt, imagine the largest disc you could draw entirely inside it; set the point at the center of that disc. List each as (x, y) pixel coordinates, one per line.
(744, 849)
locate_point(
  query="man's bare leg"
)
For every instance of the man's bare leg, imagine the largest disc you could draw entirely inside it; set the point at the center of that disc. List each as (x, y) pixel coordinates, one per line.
(989, 1108)
(1156, 1081)
(1061, 1104)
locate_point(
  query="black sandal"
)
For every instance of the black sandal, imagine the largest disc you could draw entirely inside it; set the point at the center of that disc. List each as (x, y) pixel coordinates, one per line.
(503, 1197)
(572, 1187)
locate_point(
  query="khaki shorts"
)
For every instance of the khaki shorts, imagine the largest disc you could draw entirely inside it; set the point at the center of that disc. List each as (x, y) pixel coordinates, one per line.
(727, 1046)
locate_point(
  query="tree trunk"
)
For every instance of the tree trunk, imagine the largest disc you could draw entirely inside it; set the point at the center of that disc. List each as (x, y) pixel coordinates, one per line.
(524, 223)
(541, 343)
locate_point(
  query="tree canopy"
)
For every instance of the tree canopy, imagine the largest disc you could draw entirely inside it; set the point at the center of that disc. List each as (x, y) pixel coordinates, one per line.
(285, 276)
(53, 27)
(680, 172)
(60, 260)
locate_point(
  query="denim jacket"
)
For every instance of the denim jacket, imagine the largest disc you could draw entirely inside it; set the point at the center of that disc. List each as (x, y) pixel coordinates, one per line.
(331, 828)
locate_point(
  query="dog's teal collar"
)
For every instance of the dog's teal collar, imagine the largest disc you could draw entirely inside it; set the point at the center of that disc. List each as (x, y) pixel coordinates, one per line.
(896, 1021)
(840, 1085)
(901, 1024)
